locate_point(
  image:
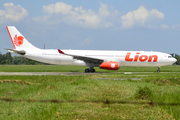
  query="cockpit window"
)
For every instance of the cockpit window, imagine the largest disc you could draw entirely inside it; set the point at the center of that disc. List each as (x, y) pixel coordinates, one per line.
(169, 56)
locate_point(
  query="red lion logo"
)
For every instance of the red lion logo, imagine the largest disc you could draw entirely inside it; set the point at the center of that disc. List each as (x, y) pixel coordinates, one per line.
(18, 40)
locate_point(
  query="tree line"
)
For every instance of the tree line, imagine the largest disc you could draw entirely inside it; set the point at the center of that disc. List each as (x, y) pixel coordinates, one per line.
(8, 59)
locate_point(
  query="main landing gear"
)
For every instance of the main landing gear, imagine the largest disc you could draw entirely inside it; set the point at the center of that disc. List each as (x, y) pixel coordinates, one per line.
(91, 69)
(158, 69)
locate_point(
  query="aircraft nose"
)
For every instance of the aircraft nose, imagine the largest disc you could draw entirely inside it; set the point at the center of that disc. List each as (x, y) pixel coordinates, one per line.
(174, 60)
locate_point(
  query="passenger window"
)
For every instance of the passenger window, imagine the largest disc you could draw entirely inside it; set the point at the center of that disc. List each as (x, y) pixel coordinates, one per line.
(169, 56)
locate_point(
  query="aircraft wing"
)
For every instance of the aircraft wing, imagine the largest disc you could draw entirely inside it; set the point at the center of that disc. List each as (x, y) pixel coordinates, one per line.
(83, 58)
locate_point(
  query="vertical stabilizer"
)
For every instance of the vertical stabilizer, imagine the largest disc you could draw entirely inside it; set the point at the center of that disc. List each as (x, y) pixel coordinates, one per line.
(18, 40)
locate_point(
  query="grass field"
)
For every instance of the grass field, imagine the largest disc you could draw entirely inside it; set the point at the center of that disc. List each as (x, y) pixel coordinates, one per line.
(162, 89)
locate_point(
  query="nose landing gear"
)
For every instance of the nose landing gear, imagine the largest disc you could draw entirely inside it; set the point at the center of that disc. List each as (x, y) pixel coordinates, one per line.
(158, 69)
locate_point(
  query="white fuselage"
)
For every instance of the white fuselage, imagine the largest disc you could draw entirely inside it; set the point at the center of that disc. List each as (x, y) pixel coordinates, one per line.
(125, 58)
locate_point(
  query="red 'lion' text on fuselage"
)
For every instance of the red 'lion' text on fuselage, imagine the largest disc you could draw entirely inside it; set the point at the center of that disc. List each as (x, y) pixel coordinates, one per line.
(141, 58)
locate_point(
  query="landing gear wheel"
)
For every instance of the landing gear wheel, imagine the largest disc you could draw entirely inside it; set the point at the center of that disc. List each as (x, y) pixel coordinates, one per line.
(86, 70)
(92, 70)
(158, 69)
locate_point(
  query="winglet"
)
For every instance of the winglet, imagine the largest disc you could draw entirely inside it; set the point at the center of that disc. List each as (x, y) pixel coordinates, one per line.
(60, 51)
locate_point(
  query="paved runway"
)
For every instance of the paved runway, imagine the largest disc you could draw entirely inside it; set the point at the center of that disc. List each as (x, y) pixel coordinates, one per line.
(66, 73)
(47, 73)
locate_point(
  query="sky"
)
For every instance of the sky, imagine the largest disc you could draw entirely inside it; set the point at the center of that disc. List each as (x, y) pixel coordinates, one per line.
(149, 25)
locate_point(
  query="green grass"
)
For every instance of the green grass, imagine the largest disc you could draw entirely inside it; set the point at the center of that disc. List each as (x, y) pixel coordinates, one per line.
(164, 87)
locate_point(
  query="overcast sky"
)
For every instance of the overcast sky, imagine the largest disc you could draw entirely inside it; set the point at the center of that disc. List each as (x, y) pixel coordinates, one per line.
(93, 24)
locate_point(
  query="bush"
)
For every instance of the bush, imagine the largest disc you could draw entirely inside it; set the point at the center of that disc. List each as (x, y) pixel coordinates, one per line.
(143, 93)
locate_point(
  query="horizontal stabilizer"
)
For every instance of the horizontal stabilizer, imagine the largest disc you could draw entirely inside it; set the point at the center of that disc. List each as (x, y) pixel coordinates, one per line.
(20, 52)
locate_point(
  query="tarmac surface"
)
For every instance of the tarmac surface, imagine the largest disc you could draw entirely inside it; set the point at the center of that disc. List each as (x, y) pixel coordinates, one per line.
(47, 73)
(67, 73)
(76, 74)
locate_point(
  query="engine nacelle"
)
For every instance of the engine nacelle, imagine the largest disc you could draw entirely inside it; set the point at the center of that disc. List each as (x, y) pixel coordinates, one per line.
(110, 65)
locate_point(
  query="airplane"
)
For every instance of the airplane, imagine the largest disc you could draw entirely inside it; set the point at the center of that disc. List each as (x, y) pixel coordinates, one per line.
(104, 59)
